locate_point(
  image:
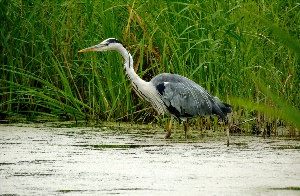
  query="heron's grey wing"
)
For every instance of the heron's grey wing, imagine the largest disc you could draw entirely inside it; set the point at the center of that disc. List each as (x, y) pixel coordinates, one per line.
(185, 99)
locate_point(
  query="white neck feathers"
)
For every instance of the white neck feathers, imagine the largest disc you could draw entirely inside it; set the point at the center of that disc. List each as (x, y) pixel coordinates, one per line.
(144, 89)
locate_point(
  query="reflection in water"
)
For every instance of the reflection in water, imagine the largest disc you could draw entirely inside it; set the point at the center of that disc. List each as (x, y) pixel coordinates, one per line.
(90, 161)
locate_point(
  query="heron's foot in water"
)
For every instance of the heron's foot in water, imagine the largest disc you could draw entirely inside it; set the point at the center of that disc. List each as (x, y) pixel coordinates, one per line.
(169, 128)
(168, 135)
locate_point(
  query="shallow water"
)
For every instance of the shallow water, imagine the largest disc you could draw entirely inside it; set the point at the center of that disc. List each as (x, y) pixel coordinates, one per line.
(94, 161)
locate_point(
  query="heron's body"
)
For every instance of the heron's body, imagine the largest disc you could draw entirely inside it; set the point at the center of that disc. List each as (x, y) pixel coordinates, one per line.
(184, 98)
(168, 93)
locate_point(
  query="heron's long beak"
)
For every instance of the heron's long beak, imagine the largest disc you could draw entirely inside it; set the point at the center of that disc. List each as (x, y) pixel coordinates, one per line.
(92, 48)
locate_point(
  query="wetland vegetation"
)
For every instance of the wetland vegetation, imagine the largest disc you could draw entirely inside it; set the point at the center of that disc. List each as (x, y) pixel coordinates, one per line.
(244, 52)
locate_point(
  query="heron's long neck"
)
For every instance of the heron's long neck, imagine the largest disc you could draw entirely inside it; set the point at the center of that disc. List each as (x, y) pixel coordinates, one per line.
(128, 65)
(143, 88)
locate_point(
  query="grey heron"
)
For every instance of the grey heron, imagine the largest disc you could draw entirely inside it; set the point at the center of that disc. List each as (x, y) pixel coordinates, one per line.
(168, 93)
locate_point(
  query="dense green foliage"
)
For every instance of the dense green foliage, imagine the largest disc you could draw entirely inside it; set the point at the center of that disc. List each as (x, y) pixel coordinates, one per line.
(244, 52)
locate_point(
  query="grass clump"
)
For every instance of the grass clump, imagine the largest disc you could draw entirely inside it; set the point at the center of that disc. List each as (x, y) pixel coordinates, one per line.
(246, 53)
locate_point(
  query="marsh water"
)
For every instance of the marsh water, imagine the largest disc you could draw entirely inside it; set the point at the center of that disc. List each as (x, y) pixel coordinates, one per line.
(45, 160)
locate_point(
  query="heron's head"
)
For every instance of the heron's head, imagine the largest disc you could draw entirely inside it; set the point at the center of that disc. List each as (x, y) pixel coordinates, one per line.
(108, 44)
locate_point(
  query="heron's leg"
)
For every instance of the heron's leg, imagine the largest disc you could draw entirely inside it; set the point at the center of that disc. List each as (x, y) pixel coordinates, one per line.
(185, 126)
(229, 121)
(200, 125)
(227, 133)
(168, 134)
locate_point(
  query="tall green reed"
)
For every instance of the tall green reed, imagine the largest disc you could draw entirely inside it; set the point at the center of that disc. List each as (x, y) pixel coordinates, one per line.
(223, 46)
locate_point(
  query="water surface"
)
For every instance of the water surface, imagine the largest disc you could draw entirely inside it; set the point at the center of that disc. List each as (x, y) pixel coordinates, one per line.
(46, 160)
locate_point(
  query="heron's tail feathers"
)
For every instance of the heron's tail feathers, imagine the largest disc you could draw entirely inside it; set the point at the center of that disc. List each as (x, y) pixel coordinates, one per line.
(220, 109)
(226, 109)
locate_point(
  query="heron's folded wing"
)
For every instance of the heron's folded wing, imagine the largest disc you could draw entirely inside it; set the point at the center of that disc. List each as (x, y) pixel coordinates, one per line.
(186, 99)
